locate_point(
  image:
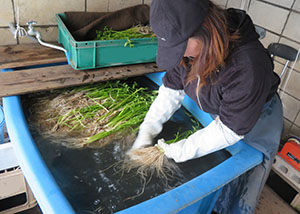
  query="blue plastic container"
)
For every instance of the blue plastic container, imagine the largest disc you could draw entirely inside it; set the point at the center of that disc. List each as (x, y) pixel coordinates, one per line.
(195, 196)
(2, 122)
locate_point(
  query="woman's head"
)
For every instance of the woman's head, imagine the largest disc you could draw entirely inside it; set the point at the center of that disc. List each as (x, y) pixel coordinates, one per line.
(173, 22)
(185, 26)
(209, 45)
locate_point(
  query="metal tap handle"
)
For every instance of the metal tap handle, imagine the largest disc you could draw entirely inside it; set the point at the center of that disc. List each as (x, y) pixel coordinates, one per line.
(30, 23)
(31, 31)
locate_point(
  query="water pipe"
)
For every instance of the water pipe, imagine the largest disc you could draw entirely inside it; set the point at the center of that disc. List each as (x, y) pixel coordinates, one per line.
(32, 32)
(33, 35)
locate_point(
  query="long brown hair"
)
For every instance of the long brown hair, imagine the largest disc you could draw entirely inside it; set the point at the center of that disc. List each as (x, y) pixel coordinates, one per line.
(214, 38)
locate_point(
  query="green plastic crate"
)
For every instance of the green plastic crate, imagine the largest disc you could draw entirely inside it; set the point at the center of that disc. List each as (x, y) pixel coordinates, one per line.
(105, 53)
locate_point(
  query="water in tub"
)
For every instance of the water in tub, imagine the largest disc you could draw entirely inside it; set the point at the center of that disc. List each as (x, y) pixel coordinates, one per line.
(90, 177)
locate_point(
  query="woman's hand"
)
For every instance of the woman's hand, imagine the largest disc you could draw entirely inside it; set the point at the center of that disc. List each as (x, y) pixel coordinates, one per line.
(143, 139)
(163, 107)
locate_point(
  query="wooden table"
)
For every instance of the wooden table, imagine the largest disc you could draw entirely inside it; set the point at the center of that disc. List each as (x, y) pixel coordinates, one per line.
(22, 81)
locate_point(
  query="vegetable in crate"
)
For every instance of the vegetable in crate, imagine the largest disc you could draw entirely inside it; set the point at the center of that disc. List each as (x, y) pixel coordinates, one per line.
(128, 34)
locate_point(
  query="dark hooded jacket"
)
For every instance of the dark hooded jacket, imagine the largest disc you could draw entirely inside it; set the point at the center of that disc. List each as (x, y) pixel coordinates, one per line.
(241, 87)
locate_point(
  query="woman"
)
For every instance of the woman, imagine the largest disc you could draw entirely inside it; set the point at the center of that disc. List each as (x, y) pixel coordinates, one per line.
(214, 56)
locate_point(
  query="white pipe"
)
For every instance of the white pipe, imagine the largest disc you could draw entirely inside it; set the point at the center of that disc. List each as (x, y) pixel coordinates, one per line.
(51, 45)
(38, 36)
(284, 69)
(34, 35)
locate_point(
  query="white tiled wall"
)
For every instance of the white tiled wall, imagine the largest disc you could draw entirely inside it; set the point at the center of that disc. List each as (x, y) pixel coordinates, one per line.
(293, 86)
(280, 18)
(234, 4)
(221, 3)
(96, 5)
(6, 37)
(275, 18)
(119, 4)
(297, 121)
(44, 11)
(289, 103)
(297, 5)
(284, 3)
(294, 130)
(292, 28)
(6, 12)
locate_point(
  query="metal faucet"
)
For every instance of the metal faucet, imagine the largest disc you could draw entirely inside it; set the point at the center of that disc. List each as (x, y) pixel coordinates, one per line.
(32, 32)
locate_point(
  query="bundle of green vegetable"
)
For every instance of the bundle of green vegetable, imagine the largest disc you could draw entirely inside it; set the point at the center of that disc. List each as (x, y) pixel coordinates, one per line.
(95, 112)
(128, 34)
(88, 114)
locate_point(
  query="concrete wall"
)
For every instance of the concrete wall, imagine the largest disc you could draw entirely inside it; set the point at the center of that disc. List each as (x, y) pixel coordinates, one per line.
(281, 19)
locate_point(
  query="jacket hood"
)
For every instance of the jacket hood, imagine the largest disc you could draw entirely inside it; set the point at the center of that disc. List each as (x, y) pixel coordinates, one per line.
(240, 21)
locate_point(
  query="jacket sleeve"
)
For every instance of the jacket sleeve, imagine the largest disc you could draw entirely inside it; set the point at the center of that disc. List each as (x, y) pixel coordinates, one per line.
(173, 79)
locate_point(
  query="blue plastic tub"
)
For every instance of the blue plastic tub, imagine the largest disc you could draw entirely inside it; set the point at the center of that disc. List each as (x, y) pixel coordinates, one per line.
(195, 196)
(2, 122)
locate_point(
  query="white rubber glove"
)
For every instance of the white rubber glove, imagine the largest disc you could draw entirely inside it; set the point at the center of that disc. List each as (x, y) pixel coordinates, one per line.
(212, 138)
(163, 107)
